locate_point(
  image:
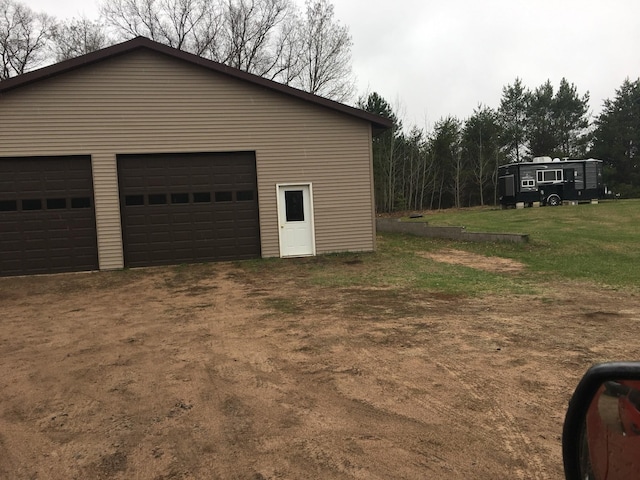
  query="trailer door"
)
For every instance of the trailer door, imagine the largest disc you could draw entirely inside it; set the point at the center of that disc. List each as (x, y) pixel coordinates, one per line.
(569, 188)
(508, 185)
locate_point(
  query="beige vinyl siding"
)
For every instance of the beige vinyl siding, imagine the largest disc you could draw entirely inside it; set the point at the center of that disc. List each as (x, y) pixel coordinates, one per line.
(146, 102)
(105, 181)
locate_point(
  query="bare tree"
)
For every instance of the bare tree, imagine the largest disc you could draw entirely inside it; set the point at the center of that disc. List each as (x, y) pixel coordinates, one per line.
(239, 33)
(289, 64)
(251, 34)
(326, 53)
(77, 37)
(263, 37)
(190, 25)
(23, 38)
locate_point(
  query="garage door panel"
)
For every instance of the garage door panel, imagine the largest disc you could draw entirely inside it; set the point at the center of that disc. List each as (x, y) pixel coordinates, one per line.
(200, 181)
(179, 181)
(245, 233)
(223, 215)
(28, 186)
(7, 188)
(159, 238)
(244, 179)
(9, 234)
(55, 245)
(196, 216)
(12, 266)
(11, 244)
(157, 217)
(201, 223)
(182, 217)
(35, 241)
(173, 169)
(78, 185)
(57, 226)
(184, 236)
(156, 181)
(54, 186)
(243, 214)
(130, 182)
(224, 181)
(82, 229)
(136, 218)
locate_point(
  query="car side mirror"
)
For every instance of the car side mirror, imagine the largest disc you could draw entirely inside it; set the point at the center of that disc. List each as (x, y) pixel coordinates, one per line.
(601, 434)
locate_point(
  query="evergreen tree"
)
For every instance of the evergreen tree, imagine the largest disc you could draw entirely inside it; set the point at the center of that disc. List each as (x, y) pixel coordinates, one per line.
(513, 119)
(542, 136)
(481, 147)
(571, 119)
(446, 150)
(385, 152)
(617, 139)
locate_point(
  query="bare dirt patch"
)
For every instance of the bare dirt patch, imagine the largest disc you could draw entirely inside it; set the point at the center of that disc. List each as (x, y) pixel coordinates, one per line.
(215, 371)
(472, 260)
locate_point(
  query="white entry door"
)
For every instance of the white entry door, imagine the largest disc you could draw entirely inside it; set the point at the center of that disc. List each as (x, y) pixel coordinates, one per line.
(295, 218)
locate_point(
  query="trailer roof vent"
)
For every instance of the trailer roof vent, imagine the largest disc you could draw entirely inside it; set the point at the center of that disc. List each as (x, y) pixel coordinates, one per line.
(541, 159)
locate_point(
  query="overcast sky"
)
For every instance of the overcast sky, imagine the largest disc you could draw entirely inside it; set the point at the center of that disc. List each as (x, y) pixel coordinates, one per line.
(433, 58)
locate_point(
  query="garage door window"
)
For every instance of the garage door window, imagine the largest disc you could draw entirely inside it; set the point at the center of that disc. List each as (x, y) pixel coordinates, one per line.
(56, 203)
(50, 203)
(244, 196)
(179, 198)
(81, 202)
(8, 205)
(223, 197)
(202, 197)
(33, 204)
(157, 199)
(134, 200)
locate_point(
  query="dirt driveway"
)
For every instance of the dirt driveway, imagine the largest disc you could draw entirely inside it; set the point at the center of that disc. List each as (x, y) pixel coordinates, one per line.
(217, 371)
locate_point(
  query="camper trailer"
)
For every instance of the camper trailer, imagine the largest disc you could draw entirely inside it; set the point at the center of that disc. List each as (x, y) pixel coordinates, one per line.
(550, 181)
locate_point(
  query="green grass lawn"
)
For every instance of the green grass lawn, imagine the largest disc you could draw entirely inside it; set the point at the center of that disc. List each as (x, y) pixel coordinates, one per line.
(596, 244)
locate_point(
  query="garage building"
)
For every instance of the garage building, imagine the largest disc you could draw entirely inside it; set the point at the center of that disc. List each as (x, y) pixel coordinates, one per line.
(140, 154)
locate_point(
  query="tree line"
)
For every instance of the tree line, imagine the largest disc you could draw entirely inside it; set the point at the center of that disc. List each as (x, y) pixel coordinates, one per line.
(455, 164)
(306, 49)
(452, 165)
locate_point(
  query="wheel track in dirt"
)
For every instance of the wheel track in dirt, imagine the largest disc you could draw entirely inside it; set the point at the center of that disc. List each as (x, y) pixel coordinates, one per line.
(527, 460)
(517, 443)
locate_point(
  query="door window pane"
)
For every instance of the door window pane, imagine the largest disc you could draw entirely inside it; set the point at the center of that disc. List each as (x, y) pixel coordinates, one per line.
(294, 205)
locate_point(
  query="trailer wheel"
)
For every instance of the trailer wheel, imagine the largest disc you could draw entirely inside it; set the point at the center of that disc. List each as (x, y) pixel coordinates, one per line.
(554, 200)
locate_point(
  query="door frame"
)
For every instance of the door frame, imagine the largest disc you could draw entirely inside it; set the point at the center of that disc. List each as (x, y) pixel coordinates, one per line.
(308, 185)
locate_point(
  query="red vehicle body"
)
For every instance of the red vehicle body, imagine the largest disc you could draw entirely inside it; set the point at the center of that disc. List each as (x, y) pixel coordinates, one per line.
(613, 432)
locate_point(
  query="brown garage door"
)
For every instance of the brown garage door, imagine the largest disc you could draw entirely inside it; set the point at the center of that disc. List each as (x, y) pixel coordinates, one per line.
(185, 208)
(47, 217)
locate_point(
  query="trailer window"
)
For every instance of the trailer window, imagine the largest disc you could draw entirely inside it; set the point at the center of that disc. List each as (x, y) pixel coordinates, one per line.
(549, 176)
(528, 183)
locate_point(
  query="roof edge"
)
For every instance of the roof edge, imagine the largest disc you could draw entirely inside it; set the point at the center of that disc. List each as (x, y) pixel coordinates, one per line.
(378, 123)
